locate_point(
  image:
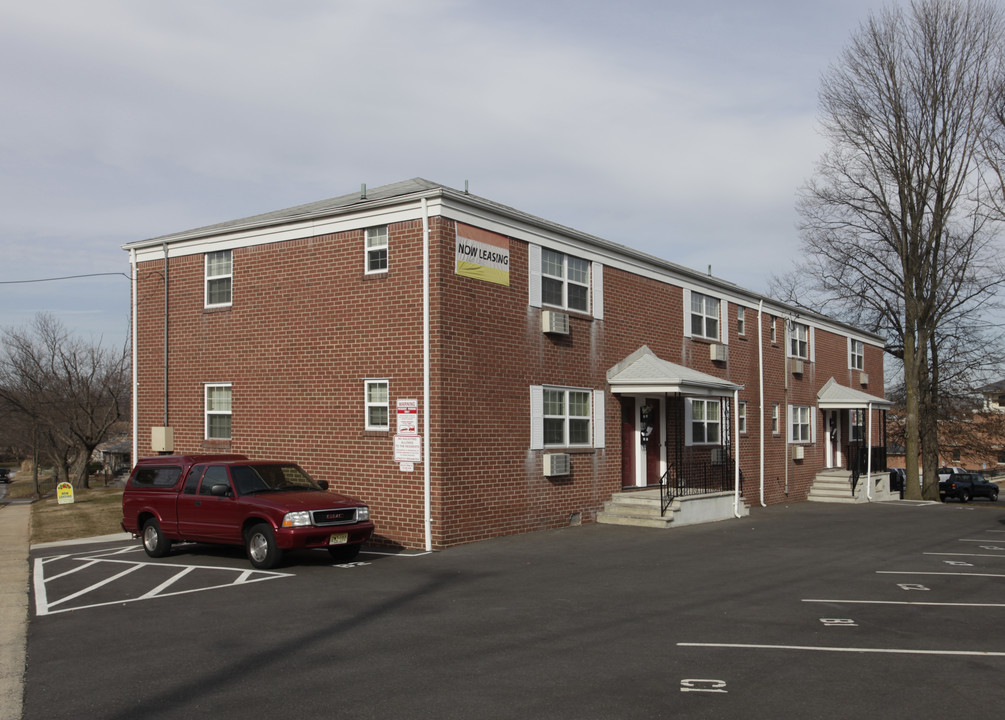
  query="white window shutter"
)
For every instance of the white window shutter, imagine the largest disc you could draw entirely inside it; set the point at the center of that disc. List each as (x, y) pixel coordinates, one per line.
(599, 426)
(688, 429)
(687, 316)
(724, 321)
(788, 423)
(598, 291)
(536, 417)
(849, 352)
(534, 275)
(813, 424)
(813, 346)
(788, 345)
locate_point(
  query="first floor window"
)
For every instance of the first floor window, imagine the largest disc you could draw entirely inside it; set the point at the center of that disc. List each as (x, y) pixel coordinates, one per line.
(376, 249)
(706, 422)
(858, 425)
(566, 417)
(1001, 457)
(800, 423)
(857, 355)
(376, 405)
(704, 316)
(218, 411)
(741, 417)
(219, 278)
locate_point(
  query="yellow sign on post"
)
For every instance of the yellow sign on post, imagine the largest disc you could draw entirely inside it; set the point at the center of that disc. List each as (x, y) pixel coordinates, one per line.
(64, 493)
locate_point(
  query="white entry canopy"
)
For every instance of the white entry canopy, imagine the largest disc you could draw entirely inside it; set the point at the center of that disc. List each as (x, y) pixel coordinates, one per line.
(833, 396)
(643, 372)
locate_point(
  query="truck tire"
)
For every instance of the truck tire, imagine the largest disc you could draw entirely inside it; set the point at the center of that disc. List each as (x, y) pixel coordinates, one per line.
(964, 496)
(154, 542)
(263, 552)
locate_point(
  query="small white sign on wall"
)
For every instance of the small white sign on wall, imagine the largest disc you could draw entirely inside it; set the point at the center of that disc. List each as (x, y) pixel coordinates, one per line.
(408, 417)
(407, 449)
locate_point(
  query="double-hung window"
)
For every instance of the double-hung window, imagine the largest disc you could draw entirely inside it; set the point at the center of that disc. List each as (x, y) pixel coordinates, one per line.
(741, 417)
(219, 410)
(858, 425)
(376, 400)
(799, 423)
(219, 278)
(799, 341)
(565, 281)
(704, 316)
(774, 418)
(706, 421)
(567, 417)
(856, 354)
(376, 249)
(741, 325)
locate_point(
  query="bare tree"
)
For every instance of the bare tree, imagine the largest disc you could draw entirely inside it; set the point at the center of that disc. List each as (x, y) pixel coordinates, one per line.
(896, 237)
(67, 393)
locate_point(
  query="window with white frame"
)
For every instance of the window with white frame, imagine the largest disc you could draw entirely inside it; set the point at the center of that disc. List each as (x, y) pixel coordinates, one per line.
(706, 421)
(799, 341)
(799, 423)
(774, 333)
(566, 417)
(704, 316)
(858, 425)
(774, 418)
(219, 411)
(219, 278)
(376, 249)
(565, 281)
(376, 400)
(856, 355)
(741, 417)
(741, 326)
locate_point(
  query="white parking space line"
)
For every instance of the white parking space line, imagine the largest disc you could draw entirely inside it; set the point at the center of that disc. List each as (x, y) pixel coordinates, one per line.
(926, 572)
(903, 602)
(887, 651)
(966, 554)
(95, 586)
(167, 583)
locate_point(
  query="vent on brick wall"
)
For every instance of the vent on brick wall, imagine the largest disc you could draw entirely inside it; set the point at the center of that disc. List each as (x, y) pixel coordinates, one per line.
(797, 452)
(556, 464)
(555, 322)
(717, 352)
(797, 367)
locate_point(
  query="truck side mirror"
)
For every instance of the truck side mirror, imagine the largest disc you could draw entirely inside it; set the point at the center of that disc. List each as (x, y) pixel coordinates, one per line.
(220, 490)
(323, 484)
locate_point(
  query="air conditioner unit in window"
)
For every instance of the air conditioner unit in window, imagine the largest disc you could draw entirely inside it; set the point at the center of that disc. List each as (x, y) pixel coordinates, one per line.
(717, 352)
(555, 322)
(863, 378)
(556, 464)
(797, 367)
(797, 452)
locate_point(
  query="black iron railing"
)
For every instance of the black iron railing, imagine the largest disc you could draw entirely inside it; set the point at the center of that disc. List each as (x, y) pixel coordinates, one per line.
(857, 459)
(695, 478)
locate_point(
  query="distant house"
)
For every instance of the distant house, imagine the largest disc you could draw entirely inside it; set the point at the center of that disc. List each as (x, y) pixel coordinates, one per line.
(471, 370)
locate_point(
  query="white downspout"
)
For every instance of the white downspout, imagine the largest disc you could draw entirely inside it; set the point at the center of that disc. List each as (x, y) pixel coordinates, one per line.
(760, 385)
(426, 474)
(736, 460)
(868, 456)
(136, 384)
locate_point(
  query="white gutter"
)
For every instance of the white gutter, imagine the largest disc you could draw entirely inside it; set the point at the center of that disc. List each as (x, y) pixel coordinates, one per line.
(136, 384)
(427, 519)
(760, 387)
(868, 461)
(736, 460)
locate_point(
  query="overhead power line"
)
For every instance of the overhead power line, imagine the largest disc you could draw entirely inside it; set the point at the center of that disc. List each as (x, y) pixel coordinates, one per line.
(67, 277)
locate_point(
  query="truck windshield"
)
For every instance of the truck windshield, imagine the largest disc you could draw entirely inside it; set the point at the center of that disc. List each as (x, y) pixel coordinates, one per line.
(249, 479)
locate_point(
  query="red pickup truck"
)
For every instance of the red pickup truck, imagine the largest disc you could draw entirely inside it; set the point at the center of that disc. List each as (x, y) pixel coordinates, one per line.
(266, 506)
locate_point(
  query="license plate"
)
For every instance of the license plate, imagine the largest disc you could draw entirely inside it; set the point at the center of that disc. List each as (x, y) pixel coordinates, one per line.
(338, 539)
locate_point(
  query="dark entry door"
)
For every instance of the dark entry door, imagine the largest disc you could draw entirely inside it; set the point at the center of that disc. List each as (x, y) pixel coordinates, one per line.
(653, 445)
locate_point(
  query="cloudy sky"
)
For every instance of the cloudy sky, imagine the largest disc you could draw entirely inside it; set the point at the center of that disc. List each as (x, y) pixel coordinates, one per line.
(682, 128)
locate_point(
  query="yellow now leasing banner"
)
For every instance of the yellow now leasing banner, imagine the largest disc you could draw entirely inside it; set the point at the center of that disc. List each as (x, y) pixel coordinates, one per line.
(482, 255)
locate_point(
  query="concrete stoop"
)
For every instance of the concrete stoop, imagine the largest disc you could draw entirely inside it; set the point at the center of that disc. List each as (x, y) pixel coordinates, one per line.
(641, 508)
(834, 486)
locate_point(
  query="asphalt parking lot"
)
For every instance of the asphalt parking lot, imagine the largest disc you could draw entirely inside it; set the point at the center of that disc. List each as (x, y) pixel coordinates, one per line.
(810, 610)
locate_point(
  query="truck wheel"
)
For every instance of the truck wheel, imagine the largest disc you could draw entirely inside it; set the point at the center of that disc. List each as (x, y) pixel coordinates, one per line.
(964, 496)
(154, 542)
(344, 553)
(263, 553)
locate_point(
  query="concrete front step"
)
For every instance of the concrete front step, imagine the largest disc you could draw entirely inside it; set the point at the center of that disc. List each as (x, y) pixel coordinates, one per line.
(834, 486)
(642, 509)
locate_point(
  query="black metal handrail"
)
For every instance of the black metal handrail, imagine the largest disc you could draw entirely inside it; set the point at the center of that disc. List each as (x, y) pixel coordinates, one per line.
(858, 460)
(695, 478)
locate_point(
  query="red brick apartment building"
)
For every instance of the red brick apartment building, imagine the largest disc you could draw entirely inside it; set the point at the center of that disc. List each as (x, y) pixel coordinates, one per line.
(471, 370)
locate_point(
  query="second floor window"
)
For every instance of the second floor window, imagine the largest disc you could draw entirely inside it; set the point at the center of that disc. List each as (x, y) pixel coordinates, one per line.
(857, 355)
(565, 281)
(741, 326)
(799, 341)
(741, 417)
(704, 316)
(376, 249)
(219, 278)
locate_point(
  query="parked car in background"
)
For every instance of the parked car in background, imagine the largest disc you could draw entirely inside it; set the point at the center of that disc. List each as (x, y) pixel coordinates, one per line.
(265, 505)
(945, 472)
(966, 485)
(898, 480)
(5, 475)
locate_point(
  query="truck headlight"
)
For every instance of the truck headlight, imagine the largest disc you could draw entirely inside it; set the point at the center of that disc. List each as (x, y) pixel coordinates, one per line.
(297, 519)
(362, 514)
